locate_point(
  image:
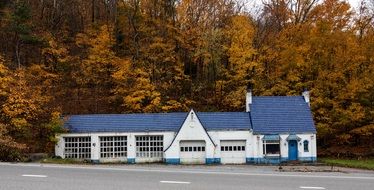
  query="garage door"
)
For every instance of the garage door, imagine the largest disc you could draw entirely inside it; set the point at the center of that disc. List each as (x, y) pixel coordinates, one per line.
(192, 152)
(233, 152)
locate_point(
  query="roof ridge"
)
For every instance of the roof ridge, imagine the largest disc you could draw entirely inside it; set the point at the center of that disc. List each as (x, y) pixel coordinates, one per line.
(119, 114)
(291, 96)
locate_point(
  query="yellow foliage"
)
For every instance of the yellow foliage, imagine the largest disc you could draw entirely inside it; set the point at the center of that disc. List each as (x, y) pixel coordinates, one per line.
(24, 103)
(367, 130)
(240, 70)
(55, 53)
(5, 78)
(100, 62)
(136, 89)
(241, 51)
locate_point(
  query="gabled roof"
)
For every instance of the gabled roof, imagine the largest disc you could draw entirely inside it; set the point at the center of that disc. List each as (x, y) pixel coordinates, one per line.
(269, 115)
(145, 122)
(281, 114)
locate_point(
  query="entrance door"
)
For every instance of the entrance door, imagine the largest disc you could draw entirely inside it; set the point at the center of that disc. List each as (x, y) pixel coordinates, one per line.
(292, 150)
(192, 152)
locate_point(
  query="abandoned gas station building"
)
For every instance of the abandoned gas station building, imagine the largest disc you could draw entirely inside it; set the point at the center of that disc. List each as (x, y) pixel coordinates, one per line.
(273, 129)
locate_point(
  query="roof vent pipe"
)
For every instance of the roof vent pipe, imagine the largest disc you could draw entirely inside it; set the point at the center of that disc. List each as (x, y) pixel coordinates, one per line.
(306, 96)
(248, 98)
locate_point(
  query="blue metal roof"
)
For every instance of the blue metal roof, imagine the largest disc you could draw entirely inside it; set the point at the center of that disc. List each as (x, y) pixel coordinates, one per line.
(271, 138)
(154, 122)
(225, 120)
(293, 137)
(269, 115)
(281, 114)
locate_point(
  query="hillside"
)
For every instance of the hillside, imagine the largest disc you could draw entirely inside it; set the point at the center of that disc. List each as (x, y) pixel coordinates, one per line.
(78, 57)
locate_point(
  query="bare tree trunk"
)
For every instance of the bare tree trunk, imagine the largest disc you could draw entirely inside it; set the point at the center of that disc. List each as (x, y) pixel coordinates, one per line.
(93, 11)
(18, 53)
(115, 11)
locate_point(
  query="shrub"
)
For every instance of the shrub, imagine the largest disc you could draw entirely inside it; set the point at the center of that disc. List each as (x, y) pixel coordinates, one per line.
(9, 149)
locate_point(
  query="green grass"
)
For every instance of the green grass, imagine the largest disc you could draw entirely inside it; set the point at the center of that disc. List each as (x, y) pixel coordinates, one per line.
(62, 161)
(363, 163)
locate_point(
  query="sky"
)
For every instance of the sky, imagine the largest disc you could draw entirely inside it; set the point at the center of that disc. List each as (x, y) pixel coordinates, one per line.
(256, 3)
(354, 3)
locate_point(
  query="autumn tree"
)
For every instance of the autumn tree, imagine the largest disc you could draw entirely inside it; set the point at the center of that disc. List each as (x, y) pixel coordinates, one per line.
(85, 57)
(241, 67)
(96, 68)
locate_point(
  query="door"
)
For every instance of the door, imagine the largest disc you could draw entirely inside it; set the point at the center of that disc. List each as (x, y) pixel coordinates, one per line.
(192, 152)
(292, 150)
(233, 152)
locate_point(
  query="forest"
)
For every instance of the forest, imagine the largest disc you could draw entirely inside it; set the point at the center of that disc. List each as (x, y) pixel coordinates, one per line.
(63, 57)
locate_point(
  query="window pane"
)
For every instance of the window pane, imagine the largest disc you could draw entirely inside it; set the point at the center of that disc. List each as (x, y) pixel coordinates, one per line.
(77, 147)
(150, 146)
(306, 146)
(272, 149)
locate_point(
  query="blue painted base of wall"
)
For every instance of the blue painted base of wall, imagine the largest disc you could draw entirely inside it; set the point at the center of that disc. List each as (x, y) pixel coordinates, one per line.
(212, 160)
(265, 160)
(277, 160)
(308, 159)
(172, 160)
(131, 160)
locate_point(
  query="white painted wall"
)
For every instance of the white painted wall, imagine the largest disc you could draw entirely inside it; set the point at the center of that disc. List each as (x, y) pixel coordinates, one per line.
(191, 130)
(131, 145)
(258, 149)
(60, 145)
(217, 136)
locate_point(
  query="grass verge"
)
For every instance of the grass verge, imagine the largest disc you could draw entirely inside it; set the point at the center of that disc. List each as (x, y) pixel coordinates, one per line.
(351, 163)
(62, 161)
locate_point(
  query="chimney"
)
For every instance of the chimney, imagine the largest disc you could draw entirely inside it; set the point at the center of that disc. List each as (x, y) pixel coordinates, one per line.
(248, 98)
(306, 96)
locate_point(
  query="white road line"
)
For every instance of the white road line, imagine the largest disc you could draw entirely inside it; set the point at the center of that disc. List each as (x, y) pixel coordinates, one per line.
(176, 182)
(19, 164)
(209, 172)
(305, 187)
(29, 175)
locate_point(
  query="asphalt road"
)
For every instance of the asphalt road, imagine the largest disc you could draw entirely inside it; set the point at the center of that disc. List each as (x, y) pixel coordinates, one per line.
(139, 177)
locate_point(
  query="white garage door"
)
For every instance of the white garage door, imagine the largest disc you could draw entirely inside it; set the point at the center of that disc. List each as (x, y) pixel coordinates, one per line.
(233, 152)
(192, 152)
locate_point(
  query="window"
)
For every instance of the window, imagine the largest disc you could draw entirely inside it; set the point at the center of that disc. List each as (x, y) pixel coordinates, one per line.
(149, 146)
(193, 149)
(232, 148)
(77, 147)
(306, 146)
(113, 147)
(271, 147)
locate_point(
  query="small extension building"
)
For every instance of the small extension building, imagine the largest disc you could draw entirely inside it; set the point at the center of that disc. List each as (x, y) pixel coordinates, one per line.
(273, 129)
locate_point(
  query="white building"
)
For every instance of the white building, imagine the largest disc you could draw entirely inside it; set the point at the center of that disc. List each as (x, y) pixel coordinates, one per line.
(273, 129)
